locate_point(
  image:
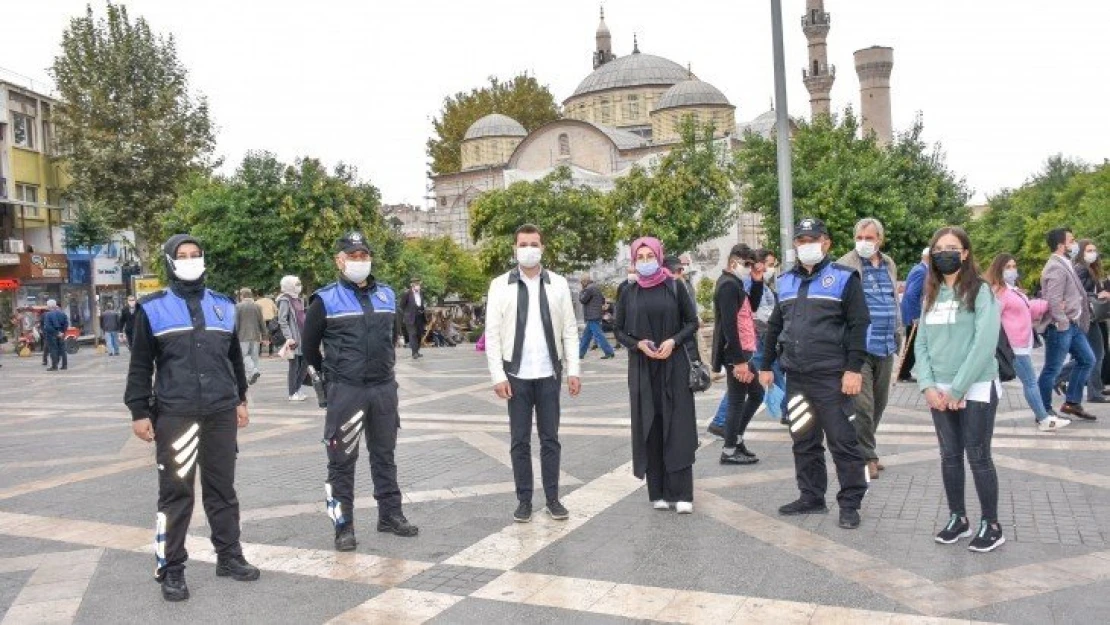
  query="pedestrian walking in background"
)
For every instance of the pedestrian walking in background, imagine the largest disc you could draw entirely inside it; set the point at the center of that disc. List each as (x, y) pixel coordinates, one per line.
(54, 326)
(531, 342)
(734, 347)
(269, 314)
(187, 393)
(593, 304)
(251, 331)
(412, 308)
(910, 308)
(291, 318)
(956, 369)
(110, 326)
(127, 319)
(1066, 324)
(1017, 313)
(656, 321)
(879, 277)
(1088, 266)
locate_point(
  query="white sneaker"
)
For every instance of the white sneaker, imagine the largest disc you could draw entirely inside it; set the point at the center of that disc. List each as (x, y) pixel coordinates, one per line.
(684, 507)
(661, 505)
(298, 396)
(1052, 423)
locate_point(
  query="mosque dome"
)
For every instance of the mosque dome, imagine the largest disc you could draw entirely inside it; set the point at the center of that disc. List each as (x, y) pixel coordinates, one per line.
(691, 92)
(495, 125)
(634, 70)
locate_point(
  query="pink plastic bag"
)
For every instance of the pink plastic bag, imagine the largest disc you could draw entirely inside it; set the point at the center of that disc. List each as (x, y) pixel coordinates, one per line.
(481, 344)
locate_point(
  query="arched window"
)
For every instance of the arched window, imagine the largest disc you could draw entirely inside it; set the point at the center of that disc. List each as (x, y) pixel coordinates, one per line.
(564, 145)
(816, 68)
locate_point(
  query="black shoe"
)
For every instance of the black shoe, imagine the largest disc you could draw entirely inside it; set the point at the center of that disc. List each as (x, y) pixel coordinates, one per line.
(1076, 410)
(716, 430)
(557, 511)
(1061, 387)
(173, 585)
(523, 512)
(989, 538)
(52, 369)
(957, 528)
(1098, 400)
(345, 538)
(64, 367)
(737, 457)
(744, 450)
(399, 525)
(237, 568)
(608, 356)
(849, 518)
(801, 506)
(254, 378)
(785, 420)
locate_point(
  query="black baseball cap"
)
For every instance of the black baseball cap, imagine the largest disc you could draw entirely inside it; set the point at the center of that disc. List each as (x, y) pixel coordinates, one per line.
(353, 241)
(810, 227)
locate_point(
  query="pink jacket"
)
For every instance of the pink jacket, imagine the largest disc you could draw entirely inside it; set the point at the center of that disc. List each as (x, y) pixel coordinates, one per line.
(746, 327)
(1018, 313)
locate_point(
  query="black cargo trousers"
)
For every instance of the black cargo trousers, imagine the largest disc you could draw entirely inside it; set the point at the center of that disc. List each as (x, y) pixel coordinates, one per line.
(355, 412)
(184, 445)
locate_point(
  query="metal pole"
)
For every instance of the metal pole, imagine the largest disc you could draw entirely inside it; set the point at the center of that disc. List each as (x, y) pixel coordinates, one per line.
(782, 132)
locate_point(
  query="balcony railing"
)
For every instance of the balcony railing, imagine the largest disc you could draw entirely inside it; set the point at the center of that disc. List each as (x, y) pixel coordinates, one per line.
(820, 19)
(828, 70)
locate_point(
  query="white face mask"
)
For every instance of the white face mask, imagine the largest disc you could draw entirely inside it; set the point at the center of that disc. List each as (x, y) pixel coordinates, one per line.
(866, 249)
(1090, 257)
(297, 290)
(356, 270)
(189, 269)
(1073, 250)
(810, 253)
(528, 257)
(1010, 276)
(769, 272)
(742, 270)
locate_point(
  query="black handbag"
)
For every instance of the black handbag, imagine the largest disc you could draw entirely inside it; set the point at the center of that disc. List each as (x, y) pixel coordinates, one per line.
(1100, 309)
(1004, 354)
(700, 378)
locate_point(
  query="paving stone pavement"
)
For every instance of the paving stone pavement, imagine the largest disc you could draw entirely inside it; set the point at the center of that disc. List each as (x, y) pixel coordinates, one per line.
(78, 494)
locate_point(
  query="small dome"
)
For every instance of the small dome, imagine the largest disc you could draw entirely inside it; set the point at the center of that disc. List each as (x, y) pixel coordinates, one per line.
(692, 92)
(634, 70)
(495, 125)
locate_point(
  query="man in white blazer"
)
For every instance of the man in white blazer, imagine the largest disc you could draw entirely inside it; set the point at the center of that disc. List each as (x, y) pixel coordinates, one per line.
(531, 343)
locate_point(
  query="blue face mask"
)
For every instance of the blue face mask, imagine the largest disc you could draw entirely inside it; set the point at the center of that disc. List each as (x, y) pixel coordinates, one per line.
(647, 268)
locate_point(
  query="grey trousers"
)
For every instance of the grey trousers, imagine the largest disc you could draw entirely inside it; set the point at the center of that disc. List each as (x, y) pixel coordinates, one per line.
(871, 401)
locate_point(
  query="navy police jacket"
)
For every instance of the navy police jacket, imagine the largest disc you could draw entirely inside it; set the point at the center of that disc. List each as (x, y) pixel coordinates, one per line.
(356, 329)
(187, 341)
(819, 324)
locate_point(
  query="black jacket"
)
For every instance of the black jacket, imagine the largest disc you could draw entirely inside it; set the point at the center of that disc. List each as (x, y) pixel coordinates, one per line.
(412, 312)
(356, 328)
(185, 339)
(820, 322)
(592, 300)
(728, 297)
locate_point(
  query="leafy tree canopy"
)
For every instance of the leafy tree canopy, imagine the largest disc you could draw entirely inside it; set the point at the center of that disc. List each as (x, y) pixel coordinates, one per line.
(129, 130)
(523, 98)
(842, 178)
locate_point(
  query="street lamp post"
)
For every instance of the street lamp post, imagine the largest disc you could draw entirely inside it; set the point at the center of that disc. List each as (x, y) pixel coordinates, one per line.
(782, 133)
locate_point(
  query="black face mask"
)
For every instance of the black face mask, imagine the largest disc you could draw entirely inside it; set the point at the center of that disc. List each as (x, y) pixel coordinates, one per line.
(947, 263)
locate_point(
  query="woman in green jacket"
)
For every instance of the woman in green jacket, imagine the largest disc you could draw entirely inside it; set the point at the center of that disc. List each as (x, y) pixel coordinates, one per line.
(957, 371)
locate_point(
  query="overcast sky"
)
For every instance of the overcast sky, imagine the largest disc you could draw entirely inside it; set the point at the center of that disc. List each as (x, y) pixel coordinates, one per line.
(1002, 84)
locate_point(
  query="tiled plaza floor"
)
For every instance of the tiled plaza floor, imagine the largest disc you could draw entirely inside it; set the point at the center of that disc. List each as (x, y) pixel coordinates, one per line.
(77, 499)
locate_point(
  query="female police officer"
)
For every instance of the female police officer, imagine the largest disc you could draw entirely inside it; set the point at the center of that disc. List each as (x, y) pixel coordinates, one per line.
(185, 335)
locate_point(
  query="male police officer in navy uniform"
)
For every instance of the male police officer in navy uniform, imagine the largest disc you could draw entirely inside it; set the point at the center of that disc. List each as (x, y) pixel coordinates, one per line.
(819, 330)
(353, 319)
(184, 336)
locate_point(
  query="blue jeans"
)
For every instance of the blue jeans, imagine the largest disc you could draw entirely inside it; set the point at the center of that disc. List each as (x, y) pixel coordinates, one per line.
(112, 338)
(1023, 365)
(593, 332)
(780, 380)
(1057, 345)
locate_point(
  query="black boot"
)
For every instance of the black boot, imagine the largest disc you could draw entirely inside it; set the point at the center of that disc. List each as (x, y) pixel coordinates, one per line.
(744, 450)
(237, 568)
(345, 538)
(173, 585)
(397, 524)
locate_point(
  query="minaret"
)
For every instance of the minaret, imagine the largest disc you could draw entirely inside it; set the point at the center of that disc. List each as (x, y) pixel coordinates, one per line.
(874, 65)
(818, 76)
(604, 52)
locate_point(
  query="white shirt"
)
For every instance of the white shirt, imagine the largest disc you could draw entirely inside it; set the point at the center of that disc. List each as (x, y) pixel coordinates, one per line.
(535, 360)
(419, 300)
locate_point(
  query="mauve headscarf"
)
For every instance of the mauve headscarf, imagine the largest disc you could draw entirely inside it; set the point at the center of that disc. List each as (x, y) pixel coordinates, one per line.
(655, 245)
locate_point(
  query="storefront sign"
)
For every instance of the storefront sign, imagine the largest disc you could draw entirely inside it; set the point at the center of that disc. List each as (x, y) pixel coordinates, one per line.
(9, 259)
(9, 284)
(146, 286)
(107, 272)
(47, 265)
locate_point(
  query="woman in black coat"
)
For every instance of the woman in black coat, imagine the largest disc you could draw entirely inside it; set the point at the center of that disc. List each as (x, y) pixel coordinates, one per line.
(656, 321)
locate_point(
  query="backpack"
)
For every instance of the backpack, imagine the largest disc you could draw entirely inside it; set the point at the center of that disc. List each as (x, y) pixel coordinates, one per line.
(276, 336)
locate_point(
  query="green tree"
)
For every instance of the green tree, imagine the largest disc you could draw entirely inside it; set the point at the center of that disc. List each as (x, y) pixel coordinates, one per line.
(1066, 193)
(129, 130)
(442, 264)
(523, 98)
(685, 199)
(579, 228)
(841, 178)
(89, 229)
(271, 219)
